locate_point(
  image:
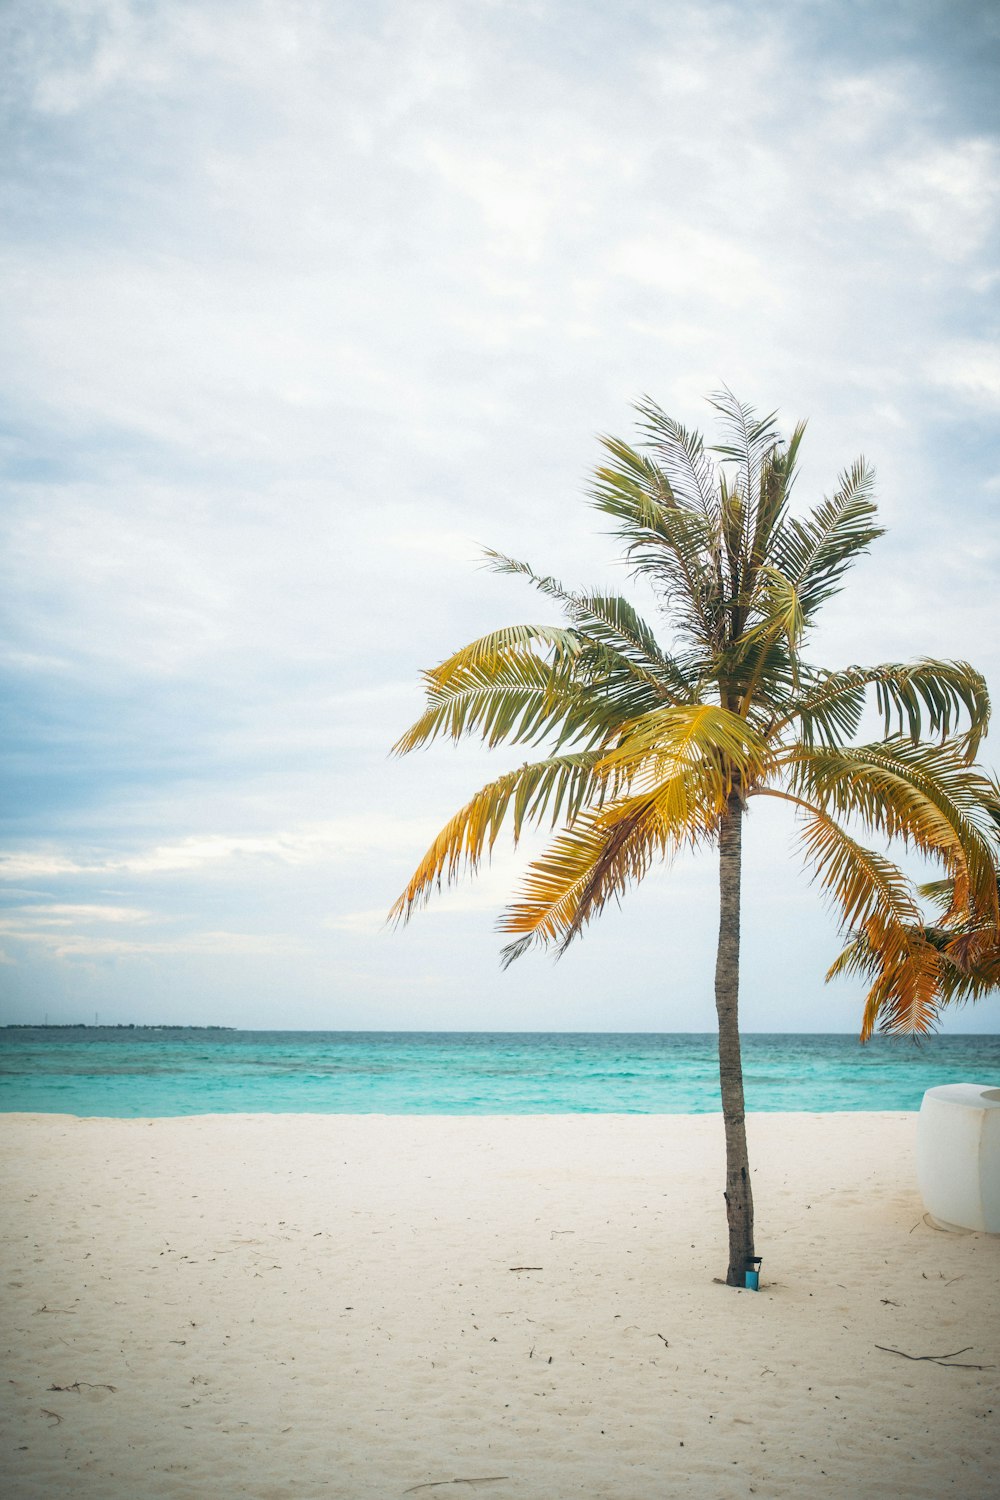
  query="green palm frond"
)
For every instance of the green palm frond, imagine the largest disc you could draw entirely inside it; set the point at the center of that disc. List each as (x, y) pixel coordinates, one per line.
(545, 583)
(554, 789)
(674, 545)
(915, 698)
(754, 445)
(926, 796)
(756, 673)
(643, 478)
(689, 471)
(613, 624)
(518, 698)
(750, 439)
(776, 609)
(814, 553)
(776, 480)
(943, 690)
(774, 619)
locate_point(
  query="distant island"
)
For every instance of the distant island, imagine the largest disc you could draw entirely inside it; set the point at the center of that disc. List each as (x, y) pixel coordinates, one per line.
(109, 1026)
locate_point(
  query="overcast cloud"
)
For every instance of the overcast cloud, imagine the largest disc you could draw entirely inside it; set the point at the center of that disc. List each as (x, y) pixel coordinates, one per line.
(304, 303)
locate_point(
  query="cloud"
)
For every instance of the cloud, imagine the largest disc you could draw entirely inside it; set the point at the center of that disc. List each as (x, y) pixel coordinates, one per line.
(322, 843)
(360, 923)
(205, 944)
(696, 266)
(969, 370)
(67, 914)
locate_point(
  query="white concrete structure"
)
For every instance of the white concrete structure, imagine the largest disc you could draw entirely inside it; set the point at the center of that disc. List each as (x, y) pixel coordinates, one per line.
(958, 1156)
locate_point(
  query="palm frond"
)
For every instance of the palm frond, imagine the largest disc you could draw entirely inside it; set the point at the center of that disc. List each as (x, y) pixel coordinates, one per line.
(926, 796)
(689, 470)
(724, 748)
(751, 444)
(775, 614)
(602, 853)
(614, 625)
(499, 562)
(971, 967)
(675, 546)
(942, 892)
(814, 553)
(519, 698)
(776, 480)
(918, 697)
(590, 857)
(554, 789)
(864, 885)
(750, 437)
(905, 997)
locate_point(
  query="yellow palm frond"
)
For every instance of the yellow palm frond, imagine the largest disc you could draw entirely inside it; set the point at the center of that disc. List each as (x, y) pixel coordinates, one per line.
(550, 905)
(605, 851)
(865, 886)
(555, 788)
(666, 741)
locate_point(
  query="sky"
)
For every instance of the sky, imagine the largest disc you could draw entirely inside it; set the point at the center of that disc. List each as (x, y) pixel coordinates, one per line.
(305, 302)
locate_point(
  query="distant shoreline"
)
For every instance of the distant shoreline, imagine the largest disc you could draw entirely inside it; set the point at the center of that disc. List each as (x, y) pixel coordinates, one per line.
(108, 1026)
(449, 1031)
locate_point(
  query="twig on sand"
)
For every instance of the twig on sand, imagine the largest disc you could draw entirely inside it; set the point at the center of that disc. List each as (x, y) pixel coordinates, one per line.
(78, 1383)
(54, 1414)
(510, 1268)
(937, 1359)
(437, 1483)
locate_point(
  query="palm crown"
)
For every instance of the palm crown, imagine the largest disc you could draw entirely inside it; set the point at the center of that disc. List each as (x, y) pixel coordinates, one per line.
(653, 749)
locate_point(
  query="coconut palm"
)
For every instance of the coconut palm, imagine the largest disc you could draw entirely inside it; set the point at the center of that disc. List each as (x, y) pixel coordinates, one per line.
(655, 749)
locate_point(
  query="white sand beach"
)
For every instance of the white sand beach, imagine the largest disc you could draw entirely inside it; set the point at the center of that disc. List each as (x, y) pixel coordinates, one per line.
(286, 1307)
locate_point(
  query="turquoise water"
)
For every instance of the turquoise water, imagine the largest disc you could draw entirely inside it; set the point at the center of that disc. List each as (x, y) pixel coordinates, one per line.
(162, 1071)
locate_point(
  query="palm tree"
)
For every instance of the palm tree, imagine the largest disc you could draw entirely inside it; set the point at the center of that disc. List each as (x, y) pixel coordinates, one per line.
(655, 750)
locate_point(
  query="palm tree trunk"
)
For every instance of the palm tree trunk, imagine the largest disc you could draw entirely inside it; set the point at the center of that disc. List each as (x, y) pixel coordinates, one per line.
(739, 1198)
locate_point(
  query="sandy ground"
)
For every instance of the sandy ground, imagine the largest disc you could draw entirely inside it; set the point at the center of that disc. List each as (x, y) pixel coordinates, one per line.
(286, 1307)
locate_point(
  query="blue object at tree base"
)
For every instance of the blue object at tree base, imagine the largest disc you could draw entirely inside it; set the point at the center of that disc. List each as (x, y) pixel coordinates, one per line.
(751, 1276)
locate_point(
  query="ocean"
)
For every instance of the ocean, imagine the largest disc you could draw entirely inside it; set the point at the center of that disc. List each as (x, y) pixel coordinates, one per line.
(126, 1072)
